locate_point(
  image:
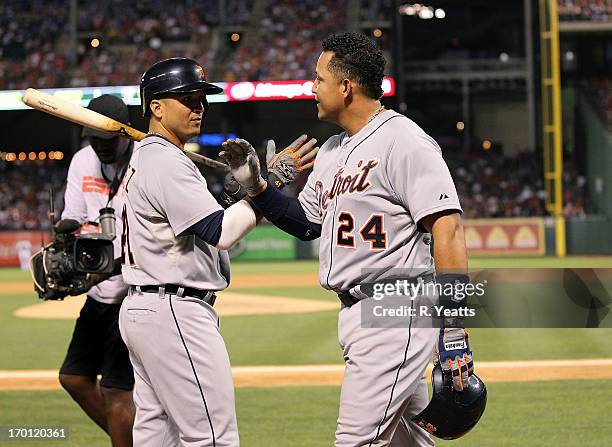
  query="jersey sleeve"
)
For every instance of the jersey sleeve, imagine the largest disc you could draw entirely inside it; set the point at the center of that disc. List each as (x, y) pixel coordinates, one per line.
(308, 197)
(308, 200)
(178, 190)
(75, 206)
(420, 177)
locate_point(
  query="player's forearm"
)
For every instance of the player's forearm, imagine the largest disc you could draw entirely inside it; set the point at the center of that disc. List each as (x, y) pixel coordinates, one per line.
(238, 220)
(223, 229)
(449, 244)
(451, 265)
(286, 213)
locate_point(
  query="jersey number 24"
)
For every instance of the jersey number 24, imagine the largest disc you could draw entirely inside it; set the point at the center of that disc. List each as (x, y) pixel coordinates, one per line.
(372, 232)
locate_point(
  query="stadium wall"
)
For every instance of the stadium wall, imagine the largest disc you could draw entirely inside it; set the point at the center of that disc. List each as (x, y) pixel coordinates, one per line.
(598, 144)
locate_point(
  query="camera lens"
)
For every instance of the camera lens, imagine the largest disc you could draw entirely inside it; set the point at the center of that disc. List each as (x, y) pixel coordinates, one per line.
(91, 260)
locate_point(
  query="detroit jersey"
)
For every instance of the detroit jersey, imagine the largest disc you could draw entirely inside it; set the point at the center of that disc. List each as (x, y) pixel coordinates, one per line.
(86, 193)
(368, 192)
(165, 195)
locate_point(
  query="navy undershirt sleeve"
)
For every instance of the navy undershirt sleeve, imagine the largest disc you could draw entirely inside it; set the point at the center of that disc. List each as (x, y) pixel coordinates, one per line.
(209, 228)
(286, 213)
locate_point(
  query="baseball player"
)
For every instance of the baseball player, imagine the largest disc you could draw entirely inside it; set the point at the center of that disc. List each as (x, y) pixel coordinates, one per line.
(378, 193)
(24, 251)
(94, 177)
(175, 243)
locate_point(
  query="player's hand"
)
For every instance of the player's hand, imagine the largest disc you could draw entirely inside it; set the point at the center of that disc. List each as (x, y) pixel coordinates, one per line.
(244, 165)
(285, 166)
(455, 356)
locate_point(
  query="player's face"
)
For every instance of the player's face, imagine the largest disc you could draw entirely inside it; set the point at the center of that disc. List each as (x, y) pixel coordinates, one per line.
(182, 114)
(109, 151)
(327, 90)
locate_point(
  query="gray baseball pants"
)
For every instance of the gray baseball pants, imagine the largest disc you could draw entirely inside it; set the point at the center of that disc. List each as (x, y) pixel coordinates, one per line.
(384, 383)
(183, 392)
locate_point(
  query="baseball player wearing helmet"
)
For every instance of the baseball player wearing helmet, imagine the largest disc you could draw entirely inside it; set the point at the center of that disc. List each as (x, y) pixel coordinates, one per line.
(94, 177)
(175, 243)
(378, 193)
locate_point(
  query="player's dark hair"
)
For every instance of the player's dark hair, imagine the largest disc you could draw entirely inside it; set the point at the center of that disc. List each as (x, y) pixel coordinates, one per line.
(357, 58)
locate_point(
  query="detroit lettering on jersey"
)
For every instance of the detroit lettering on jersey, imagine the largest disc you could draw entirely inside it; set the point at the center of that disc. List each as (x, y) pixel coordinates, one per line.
(343, 184)
(369, 192)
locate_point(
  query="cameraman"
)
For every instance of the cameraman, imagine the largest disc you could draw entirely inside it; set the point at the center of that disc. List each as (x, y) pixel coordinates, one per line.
(94, 178)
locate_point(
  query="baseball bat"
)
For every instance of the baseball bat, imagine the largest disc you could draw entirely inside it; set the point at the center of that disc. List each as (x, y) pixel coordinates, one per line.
(80, 115)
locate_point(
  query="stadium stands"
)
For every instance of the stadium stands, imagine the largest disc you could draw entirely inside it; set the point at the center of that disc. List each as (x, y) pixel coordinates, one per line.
(24, 195)
(289, 41)
(600, 91)
(35, 50)
(489, 185)
(589, 10)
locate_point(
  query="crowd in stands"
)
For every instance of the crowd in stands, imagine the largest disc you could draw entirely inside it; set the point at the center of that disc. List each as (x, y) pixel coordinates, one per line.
(27, 26)
(600, 90)
(289, 41)
(488, 185)
(139, 22)
(132, 35)
(24, 195)
(594, 10)
(135, 33)
(124, 67)
(376, 11)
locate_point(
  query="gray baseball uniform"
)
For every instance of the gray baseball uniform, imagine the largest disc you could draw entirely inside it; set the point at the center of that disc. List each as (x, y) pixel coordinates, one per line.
(368, 192)
(183, 393)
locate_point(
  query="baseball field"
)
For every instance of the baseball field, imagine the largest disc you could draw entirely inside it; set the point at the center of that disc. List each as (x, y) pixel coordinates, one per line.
(546, 386)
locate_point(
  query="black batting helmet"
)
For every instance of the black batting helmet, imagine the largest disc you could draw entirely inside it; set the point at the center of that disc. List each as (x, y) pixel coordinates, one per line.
(451, 414)
(174, 75)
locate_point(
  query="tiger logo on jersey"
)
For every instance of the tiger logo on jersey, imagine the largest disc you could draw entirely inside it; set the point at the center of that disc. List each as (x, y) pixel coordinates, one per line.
(356, 182)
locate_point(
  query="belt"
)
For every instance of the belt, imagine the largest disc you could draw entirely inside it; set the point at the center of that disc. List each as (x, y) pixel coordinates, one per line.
(208, 296)
(348, 299)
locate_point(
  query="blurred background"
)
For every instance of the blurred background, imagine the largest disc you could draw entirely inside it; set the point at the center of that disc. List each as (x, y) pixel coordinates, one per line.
(517, 93)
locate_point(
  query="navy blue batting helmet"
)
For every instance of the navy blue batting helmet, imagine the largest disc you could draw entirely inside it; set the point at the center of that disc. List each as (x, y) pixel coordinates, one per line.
(450, 413)
(175, 75)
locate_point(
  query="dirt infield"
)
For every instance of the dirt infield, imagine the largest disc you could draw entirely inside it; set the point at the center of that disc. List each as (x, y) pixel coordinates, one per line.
(242, 281)
(331, 375)
(227, 304)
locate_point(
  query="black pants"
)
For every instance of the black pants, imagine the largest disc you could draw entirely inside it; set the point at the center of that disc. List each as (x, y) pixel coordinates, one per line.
(97, 347)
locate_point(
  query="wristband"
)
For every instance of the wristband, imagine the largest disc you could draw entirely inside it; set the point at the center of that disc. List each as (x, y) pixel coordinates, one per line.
(452, 296)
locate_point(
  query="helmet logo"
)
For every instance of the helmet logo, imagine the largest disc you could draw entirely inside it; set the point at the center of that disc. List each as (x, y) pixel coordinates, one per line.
(201, 72)
(429, 427)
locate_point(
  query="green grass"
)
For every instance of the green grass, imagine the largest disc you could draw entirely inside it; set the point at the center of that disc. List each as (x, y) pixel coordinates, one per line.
(289, 339)
(532, 414)
(543, 262)
(310, 293)
(543, 414)
(251, 267)
(9, 274)
(31, 343)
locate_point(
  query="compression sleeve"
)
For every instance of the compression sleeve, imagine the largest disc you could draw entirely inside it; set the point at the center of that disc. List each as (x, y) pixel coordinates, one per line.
(286, 213)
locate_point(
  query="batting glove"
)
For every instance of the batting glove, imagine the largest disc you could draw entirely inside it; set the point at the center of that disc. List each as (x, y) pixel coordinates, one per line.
(455, 356)
(285, 166)
(244, 164)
